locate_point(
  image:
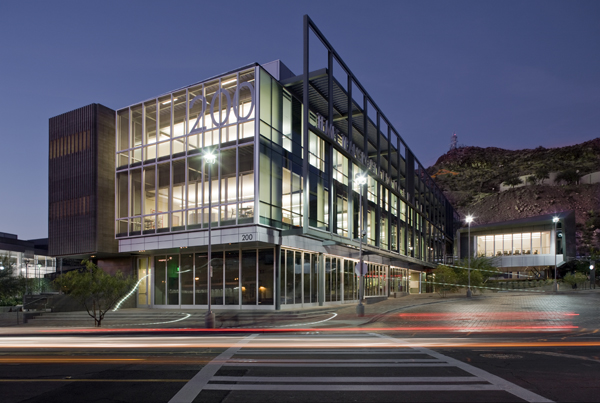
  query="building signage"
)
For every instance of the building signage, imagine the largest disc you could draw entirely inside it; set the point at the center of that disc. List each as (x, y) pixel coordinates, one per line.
(334, 134)
(226, 111)
(246, 237)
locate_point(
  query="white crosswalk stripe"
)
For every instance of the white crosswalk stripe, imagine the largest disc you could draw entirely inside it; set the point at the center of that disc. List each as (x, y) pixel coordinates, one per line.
(249, 355)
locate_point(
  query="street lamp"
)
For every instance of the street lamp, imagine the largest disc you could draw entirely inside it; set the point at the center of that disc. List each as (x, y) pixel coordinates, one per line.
(555, 220)
(592, 276)
(360, 179)
(469, 220)
(209, 319)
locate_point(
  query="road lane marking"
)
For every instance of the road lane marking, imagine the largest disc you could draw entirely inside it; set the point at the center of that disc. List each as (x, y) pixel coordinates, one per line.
(496, 381)
(334, 361)
(340, 365)
(191, 389)
(355, 388)
(40, 360)
(578, 357)
(93, 380)
(328, 352)
(348, 350)
(346, 379)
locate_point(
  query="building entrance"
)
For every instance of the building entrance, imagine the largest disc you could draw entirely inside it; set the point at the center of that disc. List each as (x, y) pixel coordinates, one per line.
(144, 276)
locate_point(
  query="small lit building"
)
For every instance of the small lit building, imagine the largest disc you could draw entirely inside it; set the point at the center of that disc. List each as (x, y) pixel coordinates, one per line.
(524, 248)
(27, 258)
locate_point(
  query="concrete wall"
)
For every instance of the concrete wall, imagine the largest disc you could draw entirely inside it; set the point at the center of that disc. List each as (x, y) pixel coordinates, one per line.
(588, 179)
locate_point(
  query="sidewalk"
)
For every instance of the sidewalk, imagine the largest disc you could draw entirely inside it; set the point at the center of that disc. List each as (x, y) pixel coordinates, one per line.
(336, 316)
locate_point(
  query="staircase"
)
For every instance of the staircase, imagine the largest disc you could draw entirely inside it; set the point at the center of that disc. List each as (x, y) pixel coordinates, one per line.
(152, 318)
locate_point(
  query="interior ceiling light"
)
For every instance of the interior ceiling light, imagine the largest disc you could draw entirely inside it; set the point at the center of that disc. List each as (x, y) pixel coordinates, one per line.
(169, 101)
(229, 81)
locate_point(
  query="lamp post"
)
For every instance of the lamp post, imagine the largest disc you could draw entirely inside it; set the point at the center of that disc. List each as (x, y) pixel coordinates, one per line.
(360, 179)
(592, 276)
(469, 220)
(209, 319)
(555, 221)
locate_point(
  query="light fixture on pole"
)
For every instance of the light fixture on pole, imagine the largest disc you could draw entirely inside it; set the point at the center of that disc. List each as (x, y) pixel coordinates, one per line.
(469, 220)
(209, 319)
(555, 220)
(360, 179)
(592, 276)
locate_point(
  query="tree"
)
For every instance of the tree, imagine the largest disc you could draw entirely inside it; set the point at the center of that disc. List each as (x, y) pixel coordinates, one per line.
(12, 285)
(532, 179)
(513, 181)
(575, 278)
(541, 174)
(482, 268)
(96, 290)
(569, 175)
(445, 279)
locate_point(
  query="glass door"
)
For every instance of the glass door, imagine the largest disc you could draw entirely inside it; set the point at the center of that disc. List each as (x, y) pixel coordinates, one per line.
(186, 279)
(144, 299)
(173, 280)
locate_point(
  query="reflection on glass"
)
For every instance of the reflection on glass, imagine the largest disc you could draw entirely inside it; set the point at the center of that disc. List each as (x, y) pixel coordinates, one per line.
(216, 288)
(173, 279)
(232, 278)
(160, 286)
(201, 279)
(289, 275)
(265, 277)
(136, 126)
(249, 277)
(186, 273)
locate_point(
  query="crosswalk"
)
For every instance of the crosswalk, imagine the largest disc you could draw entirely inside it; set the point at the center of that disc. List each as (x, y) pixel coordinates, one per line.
(342, 363)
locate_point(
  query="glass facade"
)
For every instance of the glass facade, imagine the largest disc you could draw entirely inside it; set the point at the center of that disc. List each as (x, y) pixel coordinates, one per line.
(390, 221)
(239, 277)
(272, 171)
(161, 180)
(514, 244)
(31, 266)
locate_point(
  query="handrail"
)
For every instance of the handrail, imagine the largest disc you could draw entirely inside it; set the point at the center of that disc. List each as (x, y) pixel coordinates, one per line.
(39, 299)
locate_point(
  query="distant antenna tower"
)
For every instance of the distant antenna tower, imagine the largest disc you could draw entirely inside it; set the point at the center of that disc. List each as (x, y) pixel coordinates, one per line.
(453, 141)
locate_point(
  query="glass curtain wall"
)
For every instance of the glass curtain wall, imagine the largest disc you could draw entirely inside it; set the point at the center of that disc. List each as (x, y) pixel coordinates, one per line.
(34, 267)
(281, 158)
(513, 244)
(376, 281)
(162, 182)
(299, 273)
(390, 223)
(398, 279)
(243, 277)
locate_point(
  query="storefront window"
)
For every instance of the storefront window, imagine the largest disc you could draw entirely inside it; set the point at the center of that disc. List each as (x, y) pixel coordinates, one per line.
(232, 278)
(266, 292)
(249, 277)
(186, 273)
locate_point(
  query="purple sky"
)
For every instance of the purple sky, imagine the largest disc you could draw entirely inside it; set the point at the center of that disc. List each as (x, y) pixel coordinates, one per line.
(505, 74)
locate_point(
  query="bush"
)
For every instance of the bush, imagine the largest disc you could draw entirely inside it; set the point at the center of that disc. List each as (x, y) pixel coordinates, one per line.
(445, 280)
(574, 279)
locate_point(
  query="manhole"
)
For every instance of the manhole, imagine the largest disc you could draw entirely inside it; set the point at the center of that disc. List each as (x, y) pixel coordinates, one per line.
(502, 356)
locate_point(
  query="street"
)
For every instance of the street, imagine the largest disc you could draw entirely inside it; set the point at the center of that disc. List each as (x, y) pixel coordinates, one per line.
(497, 348)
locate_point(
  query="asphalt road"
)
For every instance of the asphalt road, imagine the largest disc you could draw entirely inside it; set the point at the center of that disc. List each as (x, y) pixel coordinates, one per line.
(532, 349)
(304, 367)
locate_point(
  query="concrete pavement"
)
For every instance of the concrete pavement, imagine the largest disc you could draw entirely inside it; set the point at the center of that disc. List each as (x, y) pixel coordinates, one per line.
(475, 312)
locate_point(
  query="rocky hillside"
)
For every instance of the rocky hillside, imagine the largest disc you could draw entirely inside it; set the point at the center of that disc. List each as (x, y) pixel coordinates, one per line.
(471, 177)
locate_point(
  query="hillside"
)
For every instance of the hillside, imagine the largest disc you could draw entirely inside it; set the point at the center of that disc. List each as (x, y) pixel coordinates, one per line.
(471, 178)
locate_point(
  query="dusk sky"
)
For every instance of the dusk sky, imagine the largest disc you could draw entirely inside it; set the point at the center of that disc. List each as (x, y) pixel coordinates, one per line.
(505, 74)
